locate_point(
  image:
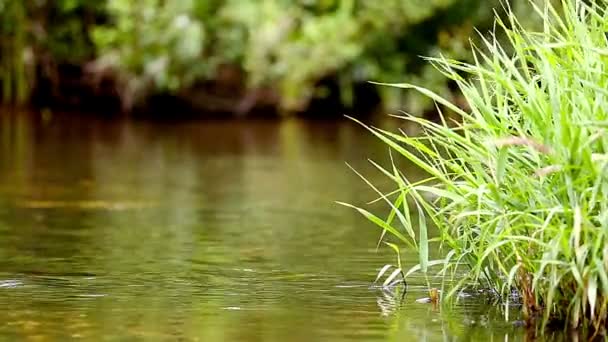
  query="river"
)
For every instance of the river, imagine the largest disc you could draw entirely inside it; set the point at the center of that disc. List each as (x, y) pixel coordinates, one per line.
(115, 229)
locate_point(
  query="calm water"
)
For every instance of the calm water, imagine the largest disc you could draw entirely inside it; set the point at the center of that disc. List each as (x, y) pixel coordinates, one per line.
(211, 231)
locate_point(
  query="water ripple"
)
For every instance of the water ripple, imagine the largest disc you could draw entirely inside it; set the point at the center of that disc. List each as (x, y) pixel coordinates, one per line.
(10, 283)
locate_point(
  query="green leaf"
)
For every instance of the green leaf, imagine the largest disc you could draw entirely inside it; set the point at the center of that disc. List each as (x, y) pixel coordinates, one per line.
(379, 222)
(382, 271)
(391, 277)
(501, 162)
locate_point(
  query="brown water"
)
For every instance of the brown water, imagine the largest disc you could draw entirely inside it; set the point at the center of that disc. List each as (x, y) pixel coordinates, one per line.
(210, 231)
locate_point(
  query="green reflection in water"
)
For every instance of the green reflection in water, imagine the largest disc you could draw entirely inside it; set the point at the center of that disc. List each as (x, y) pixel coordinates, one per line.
(213, 231)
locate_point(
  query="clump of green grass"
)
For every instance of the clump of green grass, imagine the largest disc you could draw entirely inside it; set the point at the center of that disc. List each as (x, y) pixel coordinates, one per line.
(518, 187)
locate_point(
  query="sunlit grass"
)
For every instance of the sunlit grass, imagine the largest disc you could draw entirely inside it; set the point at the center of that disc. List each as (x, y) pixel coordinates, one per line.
(518, 187)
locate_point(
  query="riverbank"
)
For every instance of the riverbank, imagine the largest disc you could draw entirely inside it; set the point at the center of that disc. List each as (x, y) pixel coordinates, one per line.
(80, 88)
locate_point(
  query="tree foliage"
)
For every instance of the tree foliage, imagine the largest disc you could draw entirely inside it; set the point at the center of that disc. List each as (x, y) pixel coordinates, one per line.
(283, 45)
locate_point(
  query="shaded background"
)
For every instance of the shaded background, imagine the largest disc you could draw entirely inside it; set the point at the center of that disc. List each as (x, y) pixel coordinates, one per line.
(232, 57)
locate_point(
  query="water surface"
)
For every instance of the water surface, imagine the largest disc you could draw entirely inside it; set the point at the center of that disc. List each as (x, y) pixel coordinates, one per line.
(206, 231)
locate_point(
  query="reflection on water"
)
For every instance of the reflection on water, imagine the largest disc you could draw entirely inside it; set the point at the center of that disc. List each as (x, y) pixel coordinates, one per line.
(212, 231)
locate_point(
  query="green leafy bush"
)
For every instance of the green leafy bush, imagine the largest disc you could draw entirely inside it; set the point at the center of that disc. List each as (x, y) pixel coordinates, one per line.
(287, 46)
(517, 188)
(152, 44)
(12, 65)
(38, 36)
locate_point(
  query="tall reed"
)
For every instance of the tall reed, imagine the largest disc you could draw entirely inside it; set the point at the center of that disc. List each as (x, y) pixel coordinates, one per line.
(517, 188)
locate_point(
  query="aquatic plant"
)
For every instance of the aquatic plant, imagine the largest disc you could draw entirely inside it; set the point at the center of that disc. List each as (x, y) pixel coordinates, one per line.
(517, 186)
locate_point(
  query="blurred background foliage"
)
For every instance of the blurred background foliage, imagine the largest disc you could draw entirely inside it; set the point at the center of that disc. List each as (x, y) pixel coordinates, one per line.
(232, 55)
